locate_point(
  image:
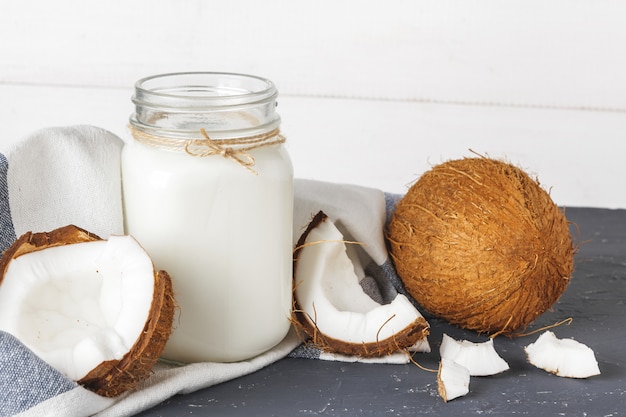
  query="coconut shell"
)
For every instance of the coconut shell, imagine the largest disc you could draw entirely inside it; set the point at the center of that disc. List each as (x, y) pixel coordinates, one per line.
(113, 377)
(478, 242)
(307, 329)
(32, 242)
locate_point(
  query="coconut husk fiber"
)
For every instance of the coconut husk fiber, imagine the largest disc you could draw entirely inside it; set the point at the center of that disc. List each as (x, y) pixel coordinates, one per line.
(478, 242)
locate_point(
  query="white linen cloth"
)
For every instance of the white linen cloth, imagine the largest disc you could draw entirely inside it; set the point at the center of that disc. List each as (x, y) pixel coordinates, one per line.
(64, 175)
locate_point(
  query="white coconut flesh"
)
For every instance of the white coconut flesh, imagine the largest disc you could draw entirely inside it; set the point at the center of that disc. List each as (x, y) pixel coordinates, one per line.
(329, 296)
(481, 359)
(78, 305)
(453, 380)
(422, 346)
(563, 357)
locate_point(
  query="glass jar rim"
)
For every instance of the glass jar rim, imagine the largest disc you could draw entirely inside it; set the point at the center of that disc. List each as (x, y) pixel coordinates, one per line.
(197, 90)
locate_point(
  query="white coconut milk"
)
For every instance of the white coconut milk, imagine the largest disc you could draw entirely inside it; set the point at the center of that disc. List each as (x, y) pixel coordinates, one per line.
(224, 235)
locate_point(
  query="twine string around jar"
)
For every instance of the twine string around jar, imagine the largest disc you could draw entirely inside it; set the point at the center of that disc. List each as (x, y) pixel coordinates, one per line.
(236, 149)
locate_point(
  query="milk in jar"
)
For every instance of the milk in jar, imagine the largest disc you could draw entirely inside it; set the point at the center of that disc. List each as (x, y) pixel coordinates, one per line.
(208, 192)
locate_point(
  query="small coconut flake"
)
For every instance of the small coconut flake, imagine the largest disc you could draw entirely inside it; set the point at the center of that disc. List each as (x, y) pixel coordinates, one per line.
(562, 357)
(453, 380)
(422, 346)
(481, 359)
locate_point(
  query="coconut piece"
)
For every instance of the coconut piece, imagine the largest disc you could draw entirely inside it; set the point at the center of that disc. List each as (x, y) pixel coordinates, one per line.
(421, 346)
(453, 380)
(480, 244)
(333, 310)
(563, 357)
(96, 310)
(481, 359)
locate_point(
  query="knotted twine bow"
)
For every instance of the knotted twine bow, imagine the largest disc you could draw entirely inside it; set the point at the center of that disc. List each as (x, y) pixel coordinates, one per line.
(236, 149)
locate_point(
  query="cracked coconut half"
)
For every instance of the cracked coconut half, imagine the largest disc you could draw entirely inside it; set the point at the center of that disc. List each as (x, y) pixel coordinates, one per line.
(332, 308)
(96, 310)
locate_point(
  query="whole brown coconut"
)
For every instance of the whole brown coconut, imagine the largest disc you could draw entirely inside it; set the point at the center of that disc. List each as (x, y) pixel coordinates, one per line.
(479, 243)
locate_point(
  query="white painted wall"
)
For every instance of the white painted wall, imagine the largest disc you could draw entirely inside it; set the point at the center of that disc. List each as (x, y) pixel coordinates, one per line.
(372, 93)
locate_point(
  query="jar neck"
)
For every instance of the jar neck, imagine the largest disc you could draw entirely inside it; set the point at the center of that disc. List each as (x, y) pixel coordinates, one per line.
(225, 105)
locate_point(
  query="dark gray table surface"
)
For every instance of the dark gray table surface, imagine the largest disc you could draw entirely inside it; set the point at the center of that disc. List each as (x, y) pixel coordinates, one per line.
(594, 299)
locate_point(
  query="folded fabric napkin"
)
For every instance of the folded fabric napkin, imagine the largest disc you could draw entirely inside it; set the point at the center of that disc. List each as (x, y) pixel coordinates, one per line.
(71, 175)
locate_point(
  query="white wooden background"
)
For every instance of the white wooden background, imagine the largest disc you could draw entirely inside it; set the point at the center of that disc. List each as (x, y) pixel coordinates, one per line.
(372, 92)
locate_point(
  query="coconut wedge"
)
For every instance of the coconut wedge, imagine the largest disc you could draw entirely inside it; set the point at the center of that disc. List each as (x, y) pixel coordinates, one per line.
(96, 310)
(453, 380)
(562, 357)
(481, 359)
(333, 310)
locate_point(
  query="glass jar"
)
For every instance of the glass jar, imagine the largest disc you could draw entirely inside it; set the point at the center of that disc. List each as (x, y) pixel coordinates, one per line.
(208, 192)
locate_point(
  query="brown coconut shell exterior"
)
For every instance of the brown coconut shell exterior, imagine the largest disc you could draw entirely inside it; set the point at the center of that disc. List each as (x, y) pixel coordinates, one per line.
(308, 331)
(478, 242)
(32, 242)
(111, 378)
